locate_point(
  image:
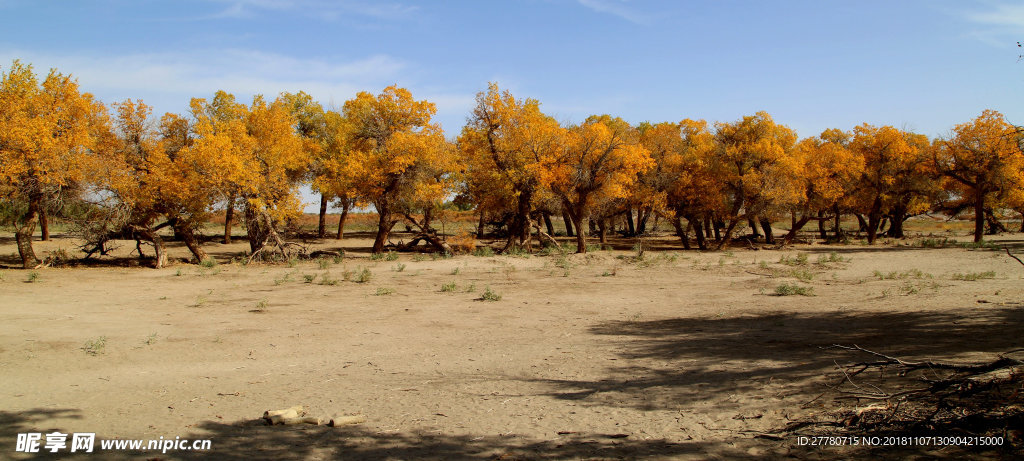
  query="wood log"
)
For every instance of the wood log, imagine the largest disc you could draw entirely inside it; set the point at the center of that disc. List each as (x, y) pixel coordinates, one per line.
(346, 420)
(304, 420)
(276, 416)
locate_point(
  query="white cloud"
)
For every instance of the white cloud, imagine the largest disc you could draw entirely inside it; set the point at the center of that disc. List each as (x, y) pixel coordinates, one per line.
(167, 81)
(1004, 24)
(1000, 15)
(321, 9)
(202, 72)
(616, 8)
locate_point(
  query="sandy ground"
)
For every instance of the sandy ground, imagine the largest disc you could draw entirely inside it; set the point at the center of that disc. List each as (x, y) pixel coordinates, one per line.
(682, 356)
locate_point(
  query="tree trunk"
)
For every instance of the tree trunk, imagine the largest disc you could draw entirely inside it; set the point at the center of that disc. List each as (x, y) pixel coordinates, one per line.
(837, 226)
(683, 234)
(23, 235)
(862, 225)
(766, 226)
(602, 226)
(896, 219)
(717, 226)
(698, 232)
(641, 224)
(629, 221)
(321, 228)
(254, 230)
(191, 241)
(547, 223)
(796, 228)
(753, 228)
(44, 224)
(480, 226)
(874, 216)
(158, 246)
(822, 234)
(979, 216)
(229, 216)
(724, 240)
(568, 224)
(384, 225)
(345, 205)
(581, 234)
(994, 226)
(519, 232)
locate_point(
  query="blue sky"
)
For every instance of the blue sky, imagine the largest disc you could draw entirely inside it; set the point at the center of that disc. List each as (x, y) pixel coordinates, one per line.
(922, 65)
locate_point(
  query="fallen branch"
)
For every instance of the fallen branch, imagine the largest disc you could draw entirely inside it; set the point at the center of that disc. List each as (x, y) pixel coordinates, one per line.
(1012, 256)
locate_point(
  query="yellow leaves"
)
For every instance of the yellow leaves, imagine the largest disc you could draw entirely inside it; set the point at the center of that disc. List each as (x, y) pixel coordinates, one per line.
(601, 159)
(982, 157)
(47, 131)
(393, 151)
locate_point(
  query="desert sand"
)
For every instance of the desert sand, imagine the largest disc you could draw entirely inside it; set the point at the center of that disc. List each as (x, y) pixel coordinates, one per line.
(681, 355)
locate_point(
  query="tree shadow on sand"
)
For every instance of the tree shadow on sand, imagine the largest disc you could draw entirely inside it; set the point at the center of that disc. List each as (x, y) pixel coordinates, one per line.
(685, 360)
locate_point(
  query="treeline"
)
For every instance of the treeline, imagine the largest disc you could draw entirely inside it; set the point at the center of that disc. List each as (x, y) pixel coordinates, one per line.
(129, 173)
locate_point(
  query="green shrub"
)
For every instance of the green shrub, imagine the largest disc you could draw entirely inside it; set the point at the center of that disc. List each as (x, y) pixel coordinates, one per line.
(490, 295)
(787, 289)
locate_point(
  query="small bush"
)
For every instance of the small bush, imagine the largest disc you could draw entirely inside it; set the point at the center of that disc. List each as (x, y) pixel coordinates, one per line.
(326, 279)
(323, 263)
(787, 289)
(455, 271)
(484, 251)
(399, 267)
(802, 275)
(32, 277)
(832, 257)
(362, 275)
(448, 287)
(381, 291)
(799, 260)
(208, 263)
(308, 278)
(96, 346)
(261, 306)
(490, 295)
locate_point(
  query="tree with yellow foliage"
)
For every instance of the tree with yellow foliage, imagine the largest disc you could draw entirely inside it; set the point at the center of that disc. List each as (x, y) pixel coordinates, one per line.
(47, 132)
(897, 178)
(754, 161)
(503, 146)
(331, 178)
(684, 151)
(397, 159)
(219, 124)
(150, 174)
(981, 160)
(311, 126)
(826, 172)
(275, 162)
(599, 161)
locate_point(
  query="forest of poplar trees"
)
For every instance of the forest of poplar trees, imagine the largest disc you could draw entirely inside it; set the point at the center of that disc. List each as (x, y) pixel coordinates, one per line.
(118, 169)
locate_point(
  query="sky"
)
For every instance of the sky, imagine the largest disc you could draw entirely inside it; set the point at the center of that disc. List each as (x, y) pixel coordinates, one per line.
(919, 65)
